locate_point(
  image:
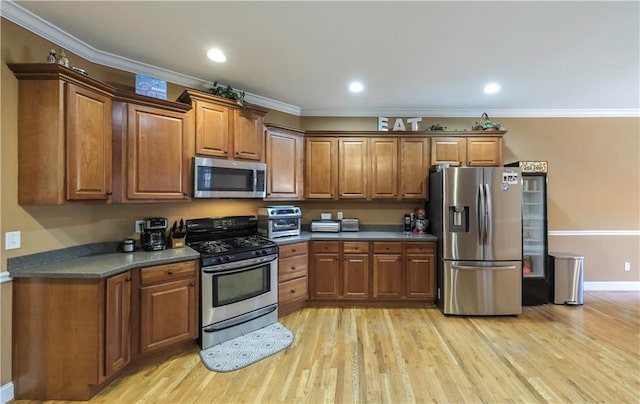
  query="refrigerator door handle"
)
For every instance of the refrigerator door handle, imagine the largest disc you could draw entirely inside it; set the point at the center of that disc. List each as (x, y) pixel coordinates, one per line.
(488, 216)
(490, 268)
(481, 217)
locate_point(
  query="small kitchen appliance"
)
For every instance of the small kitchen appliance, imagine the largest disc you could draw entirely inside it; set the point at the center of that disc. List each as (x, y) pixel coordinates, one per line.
(239, 273)
(421, 222)
(279, 221)
(326, 226)
(154, 234)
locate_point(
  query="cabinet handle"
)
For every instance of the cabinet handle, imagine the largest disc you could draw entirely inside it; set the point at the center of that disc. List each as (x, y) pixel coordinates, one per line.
(225, 152)
(109, 193)
(293, 250)
(293, 268)
(293, 291)
(169, 272)
(128, 279)
(192, 284)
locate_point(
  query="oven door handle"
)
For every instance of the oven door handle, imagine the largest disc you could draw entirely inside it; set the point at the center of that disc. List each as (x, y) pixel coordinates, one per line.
(241, 319)
(235, 270)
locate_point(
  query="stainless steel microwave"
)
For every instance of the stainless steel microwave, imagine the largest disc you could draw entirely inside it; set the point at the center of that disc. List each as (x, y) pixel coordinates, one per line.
(219, 178)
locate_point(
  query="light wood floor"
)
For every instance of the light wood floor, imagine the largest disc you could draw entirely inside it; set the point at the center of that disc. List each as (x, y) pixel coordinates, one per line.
(588, 353)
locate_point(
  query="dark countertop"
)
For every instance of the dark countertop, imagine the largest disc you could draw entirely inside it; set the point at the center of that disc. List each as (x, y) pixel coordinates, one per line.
(104, 265)
(355, 235)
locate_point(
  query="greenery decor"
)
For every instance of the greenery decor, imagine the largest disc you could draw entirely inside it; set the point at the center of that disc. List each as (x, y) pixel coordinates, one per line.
(437, 126)
(486, 124)
(228, 93)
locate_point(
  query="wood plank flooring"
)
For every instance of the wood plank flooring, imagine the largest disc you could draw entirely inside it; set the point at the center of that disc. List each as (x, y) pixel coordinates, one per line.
(550, 353)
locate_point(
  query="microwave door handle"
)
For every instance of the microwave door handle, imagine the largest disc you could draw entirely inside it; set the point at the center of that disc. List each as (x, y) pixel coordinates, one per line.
(255, 180)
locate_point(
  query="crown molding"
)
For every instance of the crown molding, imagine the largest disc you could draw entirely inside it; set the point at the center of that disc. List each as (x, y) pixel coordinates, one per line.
(50, 32)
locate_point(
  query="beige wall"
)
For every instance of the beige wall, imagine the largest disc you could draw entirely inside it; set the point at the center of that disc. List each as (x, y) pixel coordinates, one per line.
(593, 182)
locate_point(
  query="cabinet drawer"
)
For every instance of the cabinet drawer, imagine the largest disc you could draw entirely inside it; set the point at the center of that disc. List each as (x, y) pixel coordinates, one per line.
(290, 250)
(387, 247)
(162, 273)
(295, 289)
(356, 246)
(292, 267)
(420, 248)
(326, 246)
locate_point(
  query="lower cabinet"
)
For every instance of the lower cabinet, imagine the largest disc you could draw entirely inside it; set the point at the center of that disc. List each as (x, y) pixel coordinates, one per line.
(292, 277)
(372, 271)
(168, 305)
(72, 336)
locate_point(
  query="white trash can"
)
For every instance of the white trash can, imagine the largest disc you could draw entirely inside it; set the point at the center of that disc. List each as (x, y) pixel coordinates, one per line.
(567, 278)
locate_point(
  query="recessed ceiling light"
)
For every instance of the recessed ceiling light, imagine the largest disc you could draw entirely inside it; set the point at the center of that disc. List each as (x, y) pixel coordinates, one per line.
(356, 87)
(216, 55)
(491, 88)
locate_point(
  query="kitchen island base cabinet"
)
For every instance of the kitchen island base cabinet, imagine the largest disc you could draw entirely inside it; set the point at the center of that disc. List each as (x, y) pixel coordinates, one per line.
(74, 336)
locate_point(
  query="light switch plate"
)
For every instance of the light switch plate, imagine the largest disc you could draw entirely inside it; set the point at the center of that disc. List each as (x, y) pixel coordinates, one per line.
(12, 240)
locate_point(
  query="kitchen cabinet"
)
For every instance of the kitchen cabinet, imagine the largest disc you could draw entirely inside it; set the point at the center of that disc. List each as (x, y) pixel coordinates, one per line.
(420, 263)
(222, 129)
(414, 167)
(372, 272)
(64, 135)
(292, 277)
(118, 322)
(353, 168)
(284, 158)
(388, 274)
(383, 168)
(321, 168)
(73, 336)
(355, 269)
(168, 305)
(152, 140)
(326, 273)
(478, 149)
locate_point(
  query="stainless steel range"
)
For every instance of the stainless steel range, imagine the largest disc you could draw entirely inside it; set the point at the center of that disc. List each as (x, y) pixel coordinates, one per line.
(239, 277)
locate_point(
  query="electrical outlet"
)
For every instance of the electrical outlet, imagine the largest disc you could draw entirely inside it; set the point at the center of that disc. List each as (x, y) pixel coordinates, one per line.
(340, 217)
(11, 240)
(139, 226)
(627, 266)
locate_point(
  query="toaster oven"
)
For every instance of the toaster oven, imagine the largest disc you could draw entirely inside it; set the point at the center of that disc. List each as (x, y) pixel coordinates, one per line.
(279, 221)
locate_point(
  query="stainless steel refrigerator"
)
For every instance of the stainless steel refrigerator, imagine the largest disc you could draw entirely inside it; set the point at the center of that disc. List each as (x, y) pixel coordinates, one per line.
(476, 213)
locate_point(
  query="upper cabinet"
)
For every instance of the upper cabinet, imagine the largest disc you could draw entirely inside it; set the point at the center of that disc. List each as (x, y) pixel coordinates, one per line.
(383, 170)
(284, 157)
(353, 167)
(152, 143)
(414, 167)
(64, 135)
(467, 149)
(223, 129)
(321, 168)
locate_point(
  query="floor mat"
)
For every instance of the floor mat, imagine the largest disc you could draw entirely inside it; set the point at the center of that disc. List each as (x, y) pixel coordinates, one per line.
(247, 349)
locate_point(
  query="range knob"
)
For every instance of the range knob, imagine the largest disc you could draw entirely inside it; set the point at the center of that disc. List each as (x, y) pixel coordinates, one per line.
(264, 252)
(219, 259)
(257, 252)
(227, 258)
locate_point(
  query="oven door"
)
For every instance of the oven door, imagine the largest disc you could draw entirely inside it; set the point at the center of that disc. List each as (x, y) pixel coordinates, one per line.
(236, 291)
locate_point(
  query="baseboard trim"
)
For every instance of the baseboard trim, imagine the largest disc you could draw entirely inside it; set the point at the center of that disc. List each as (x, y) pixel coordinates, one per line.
(614, 286)
(6, 393)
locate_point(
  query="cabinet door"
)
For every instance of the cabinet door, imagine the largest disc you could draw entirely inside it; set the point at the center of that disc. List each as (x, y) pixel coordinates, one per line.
(157, 154)
(414, 168)
(321, 168)
(384, 168)
(88, 144)
(484, 151)
(118, 325)
(353, 168)
(387, 276)
(451, 150)
(168, 314)
(248, 137)
(420, 274)
(356, 276)
(325, 276)
(212, 129)
(284, 166)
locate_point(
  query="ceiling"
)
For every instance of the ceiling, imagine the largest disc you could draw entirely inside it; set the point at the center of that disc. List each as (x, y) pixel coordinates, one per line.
(418, 58)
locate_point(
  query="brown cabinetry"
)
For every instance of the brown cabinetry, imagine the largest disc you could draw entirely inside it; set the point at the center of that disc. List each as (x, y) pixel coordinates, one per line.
(223, 129)
(383, 171)
(284, 158)
(475, 150)
(151, 149)
(292, 277)
(64, 135)
(168, 305)
(88, 330)
(118, 322)
(321, 168)
(414, 168)
(376, 271)
(353, 168)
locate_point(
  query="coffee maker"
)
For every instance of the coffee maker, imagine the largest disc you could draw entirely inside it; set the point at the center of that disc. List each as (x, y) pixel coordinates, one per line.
(154, 234)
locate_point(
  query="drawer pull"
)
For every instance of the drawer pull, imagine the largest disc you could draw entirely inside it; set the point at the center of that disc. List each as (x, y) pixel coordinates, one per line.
(293, 250)
(192, 284)
(169, 272)
(293, 291)
(293, 268)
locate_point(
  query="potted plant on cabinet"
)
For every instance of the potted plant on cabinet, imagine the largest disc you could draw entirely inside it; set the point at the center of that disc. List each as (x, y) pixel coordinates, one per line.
(486, 124)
